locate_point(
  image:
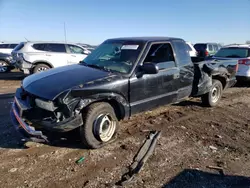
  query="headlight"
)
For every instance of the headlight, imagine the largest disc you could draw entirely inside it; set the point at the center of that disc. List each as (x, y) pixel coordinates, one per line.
(46, 105)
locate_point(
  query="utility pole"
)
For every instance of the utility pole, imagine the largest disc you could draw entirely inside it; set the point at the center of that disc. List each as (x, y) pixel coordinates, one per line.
(65, 33)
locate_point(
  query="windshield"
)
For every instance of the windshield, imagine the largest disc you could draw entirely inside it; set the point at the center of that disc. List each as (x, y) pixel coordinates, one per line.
(233, 53)
(117, 56)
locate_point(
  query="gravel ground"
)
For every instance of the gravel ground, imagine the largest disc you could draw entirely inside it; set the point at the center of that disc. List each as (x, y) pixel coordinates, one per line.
(193, 138)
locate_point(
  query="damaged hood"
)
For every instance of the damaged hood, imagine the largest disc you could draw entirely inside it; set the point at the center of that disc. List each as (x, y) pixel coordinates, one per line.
(51, 83)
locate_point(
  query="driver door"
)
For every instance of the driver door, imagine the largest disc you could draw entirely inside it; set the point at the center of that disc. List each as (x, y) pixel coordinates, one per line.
(148, 91)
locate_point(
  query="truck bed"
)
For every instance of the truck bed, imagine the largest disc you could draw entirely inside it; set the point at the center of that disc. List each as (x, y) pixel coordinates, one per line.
(205, 71)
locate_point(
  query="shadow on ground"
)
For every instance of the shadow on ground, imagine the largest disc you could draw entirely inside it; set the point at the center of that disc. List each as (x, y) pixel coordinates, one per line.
(241, 84)
(12, 76)
(195, 178)
(189, 103)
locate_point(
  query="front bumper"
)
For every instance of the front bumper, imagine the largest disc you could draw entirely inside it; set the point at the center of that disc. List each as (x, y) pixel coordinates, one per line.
(40, 129)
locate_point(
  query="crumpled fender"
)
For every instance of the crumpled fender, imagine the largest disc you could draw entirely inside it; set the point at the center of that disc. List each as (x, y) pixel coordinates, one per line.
(88, 98)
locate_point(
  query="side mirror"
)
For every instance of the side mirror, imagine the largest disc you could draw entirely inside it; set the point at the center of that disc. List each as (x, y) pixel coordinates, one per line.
(150, 68)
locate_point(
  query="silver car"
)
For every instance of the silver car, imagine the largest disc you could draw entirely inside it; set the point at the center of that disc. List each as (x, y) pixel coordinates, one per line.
(33, 57)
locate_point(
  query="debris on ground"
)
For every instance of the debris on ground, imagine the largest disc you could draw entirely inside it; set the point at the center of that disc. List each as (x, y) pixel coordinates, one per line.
(213, 148)
(80, 160)
(141, 157)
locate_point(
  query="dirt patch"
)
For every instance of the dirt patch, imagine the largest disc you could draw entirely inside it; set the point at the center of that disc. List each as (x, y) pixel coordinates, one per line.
(193, 137)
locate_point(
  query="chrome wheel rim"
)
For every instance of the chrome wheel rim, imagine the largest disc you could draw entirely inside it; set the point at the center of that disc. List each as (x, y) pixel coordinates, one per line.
(41, 69)
(3, 67)
(215, 94)
(104, 127)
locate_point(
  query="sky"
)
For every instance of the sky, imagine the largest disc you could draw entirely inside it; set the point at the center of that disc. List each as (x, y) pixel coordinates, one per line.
(93, 21)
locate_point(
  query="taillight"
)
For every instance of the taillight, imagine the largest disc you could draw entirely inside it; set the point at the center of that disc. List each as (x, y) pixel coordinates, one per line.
(244, 62)
(206, 53)
(236, 67)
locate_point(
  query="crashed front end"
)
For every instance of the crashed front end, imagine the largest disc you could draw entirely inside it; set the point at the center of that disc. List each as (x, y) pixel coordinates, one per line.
(34, 116)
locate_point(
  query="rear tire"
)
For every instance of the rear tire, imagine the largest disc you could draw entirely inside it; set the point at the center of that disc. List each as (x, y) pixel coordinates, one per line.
(40, 68)
(100, 125)
(213, 97)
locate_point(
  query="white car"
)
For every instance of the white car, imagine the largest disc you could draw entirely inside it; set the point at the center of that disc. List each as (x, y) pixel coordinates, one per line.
(240, 52)
(6, 48)
(33, 57)
(191, 49)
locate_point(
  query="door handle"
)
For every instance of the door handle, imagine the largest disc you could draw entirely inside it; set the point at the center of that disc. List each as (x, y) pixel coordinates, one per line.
(73, 55)
(48, 55)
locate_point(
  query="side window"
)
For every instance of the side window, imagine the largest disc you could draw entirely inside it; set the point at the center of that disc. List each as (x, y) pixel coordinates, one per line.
(12, 46)
(210, 47)
(182, 53)
(161, 54)
(39, 46)
(56, 48)
(75, 49)
(4, 45)
(1, 45)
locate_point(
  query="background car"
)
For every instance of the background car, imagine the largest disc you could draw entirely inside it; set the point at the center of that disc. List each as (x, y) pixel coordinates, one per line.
(33, 57)
(206, 49)
(240, 52)
(5, 62)
(191, 49)
(7, 48)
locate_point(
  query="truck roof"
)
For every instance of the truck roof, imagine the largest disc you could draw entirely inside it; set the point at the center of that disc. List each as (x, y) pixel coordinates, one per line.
(147, 39)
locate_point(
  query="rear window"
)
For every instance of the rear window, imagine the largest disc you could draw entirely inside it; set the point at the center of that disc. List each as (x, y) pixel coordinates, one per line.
(19, 47)
(200, 47)
(216, 48)
(233, 53)
(210, 47)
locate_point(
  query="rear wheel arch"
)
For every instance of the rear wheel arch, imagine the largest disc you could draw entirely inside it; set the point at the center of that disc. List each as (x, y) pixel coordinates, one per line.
(43, 62)
(222, 79)
(39, 63)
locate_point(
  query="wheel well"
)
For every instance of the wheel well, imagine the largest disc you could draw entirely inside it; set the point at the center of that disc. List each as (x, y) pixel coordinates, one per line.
(118, 108)
(41, 62)
(221, 79)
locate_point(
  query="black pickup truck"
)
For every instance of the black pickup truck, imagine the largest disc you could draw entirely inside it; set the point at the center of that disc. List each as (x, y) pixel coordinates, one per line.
(121, 77)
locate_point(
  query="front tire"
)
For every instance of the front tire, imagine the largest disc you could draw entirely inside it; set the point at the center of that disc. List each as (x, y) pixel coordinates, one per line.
(100, 125)
(213, 97)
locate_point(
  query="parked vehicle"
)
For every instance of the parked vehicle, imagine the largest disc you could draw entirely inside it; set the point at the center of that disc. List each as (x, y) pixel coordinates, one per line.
(34, 57)
(121, 77)
(7, 48)
(5, 62)
(240, 53)
(206, 49)
(191, 49)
